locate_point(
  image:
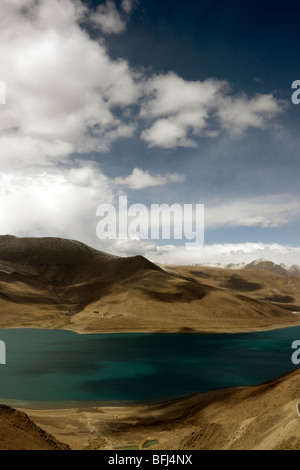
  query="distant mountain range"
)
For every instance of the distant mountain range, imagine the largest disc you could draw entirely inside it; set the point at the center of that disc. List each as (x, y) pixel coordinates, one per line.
(262, 263)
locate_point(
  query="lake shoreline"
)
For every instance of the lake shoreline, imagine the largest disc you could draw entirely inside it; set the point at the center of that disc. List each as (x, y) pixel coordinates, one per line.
(130, 369)
(201, 330)
(240, 417)
(168, 423)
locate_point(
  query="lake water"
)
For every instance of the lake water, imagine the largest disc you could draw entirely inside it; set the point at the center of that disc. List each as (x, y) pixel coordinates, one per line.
(62, 366)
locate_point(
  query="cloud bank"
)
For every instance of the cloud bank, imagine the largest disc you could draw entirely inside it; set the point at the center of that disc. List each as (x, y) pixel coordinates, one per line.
(263, 211)
(211, 255)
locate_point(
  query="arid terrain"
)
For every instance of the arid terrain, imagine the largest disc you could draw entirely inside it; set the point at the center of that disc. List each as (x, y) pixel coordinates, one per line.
(18, 432)
(56, 283)
(254, 418)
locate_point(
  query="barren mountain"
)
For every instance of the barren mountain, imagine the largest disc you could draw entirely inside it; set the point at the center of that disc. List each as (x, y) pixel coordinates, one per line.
(256, 283)
(267, 265)
(57, 283)
(280, 269)
(263, 417)
(18, 432)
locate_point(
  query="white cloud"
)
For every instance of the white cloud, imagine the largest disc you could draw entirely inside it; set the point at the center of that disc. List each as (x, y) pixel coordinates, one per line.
(142, 179)
(19, 151)
(65, 94)
(264, 211)
(180, 111)
(168, 134)
(133, 247)
(181, 108)
(53, 203)
(128, 5)
(108, 17)
(62, 86)
(237, 114)
(210, 255)
(171, 94)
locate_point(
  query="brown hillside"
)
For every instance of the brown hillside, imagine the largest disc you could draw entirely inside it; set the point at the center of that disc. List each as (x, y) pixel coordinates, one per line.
(18, 432)
(57, 283)
(245, 418)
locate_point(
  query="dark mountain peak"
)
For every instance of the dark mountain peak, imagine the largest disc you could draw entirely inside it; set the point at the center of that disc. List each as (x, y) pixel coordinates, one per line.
(63, 260)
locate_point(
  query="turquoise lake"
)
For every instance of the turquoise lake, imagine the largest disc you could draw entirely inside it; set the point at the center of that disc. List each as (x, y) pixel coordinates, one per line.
(62, 366)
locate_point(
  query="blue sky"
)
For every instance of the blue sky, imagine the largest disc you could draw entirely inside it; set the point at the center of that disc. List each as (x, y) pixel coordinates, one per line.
(165, 102)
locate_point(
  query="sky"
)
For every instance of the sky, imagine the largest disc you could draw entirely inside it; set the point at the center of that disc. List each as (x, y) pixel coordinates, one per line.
(172, 102)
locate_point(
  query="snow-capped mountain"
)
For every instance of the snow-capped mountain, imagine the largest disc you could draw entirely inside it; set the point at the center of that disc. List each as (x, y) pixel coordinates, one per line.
(261, 263)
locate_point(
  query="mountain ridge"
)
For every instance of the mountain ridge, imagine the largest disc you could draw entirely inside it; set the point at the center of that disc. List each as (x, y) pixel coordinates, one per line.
(260, 263)
(59, 283)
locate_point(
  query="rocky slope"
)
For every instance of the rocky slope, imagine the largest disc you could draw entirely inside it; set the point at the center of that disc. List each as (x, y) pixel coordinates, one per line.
(18, 432)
